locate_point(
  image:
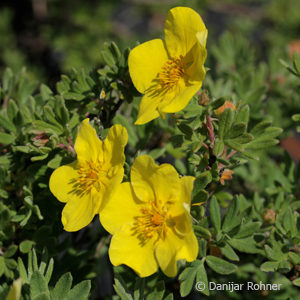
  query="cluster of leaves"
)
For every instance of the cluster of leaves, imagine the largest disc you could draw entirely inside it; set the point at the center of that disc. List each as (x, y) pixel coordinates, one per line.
(35, 280)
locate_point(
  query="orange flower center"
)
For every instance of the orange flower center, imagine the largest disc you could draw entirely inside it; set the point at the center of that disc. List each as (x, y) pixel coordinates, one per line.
(151, 222)
(89, 175)
(171, 72)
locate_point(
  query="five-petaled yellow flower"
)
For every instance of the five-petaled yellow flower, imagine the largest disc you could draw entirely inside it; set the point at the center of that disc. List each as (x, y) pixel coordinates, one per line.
(88, 183)
(169, 72)
(150, 220)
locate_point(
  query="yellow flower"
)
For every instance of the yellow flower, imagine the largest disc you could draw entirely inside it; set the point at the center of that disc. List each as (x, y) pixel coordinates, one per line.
(150, 220)
(169, 72)
(86, 184)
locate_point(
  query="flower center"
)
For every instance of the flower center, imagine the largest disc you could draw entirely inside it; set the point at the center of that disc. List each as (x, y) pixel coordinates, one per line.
(89, 175)
(171, 72)
(152, 222)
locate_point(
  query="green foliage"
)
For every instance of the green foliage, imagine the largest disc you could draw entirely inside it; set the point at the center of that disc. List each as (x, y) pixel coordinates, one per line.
(247, 227)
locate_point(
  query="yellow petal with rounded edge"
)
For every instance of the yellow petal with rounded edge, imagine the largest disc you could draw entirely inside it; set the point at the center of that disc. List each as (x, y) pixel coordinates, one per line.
(109, 185)
(195, 61)
(126, 248)
(145, 62)
(149, 181)
(114, 145)
(122, 208)
(165, 253)
(148, 109)
(181, 27)
(187, 183)
(80, 210)
(87, 145)
(62, 181)
(190, 248)
(181, 100)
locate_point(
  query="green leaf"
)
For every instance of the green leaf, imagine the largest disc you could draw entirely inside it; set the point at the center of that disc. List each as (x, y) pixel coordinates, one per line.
(247, 229)
(121, 290)
(62, 287)
(6, 138)
(201, 276)
(139, 287)
(12, 109)
(187, 278)
(234, 145)
(295, 258)
(220, 266)
(202, 232)
(217, 103)
(284, 266)
(296, 282)
(247, 245)
(26, 246)
(236, 130)
(229, 253)
(38, 285)
(10, 251)
(22, 270)
(269, 266)
(7, 124)
(232, 219)
(214, 213)
(243, 114)
(186, 130)
(80, 291)
(2, 265)
(225, 122)
(158, 291)
(49, 271)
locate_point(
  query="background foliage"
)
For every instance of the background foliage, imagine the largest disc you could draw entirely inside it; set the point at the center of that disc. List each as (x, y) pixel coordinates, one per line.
(248, 229)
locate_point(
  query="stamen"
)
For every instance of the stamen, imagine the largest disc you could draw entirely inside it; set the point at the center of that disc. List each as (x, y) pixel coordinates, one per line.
(90, 175)
(171, 72)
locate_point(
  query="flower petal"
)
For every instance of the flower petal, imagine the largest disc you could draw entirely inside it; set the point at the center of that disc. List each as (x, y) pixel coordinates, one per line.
(145, 62)
(114, 145)
(190, 248)
(181, 100)
(181, 27)
(62, 181)
(150, 181)
(87, 145)
(80, 211)
(165, 253)
(148, 109)
(187, 183)
(126, 248)
(120, 209)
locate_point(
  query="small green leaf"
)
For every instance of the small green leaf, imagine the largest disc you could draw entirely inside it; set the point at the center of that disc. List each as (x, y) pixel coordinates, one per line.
(158, 291)
(220, 266)
(229, 253)
(26, 246)
(296, 282)
(121, 290)
(187, 278)
(80, 291)
(269, 266)
(225, 122)
(62, 287)
(38, 285)
(6, 138)
(247, 229)
(232, 219)
(10, 251)
(247, 245)
(214, 213)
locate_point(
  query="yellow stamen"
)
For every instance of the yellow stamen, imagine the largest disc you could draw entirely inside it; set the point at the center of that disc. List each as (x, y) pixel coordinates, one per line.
(90, 175)
(152, 222)
(171, 72)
